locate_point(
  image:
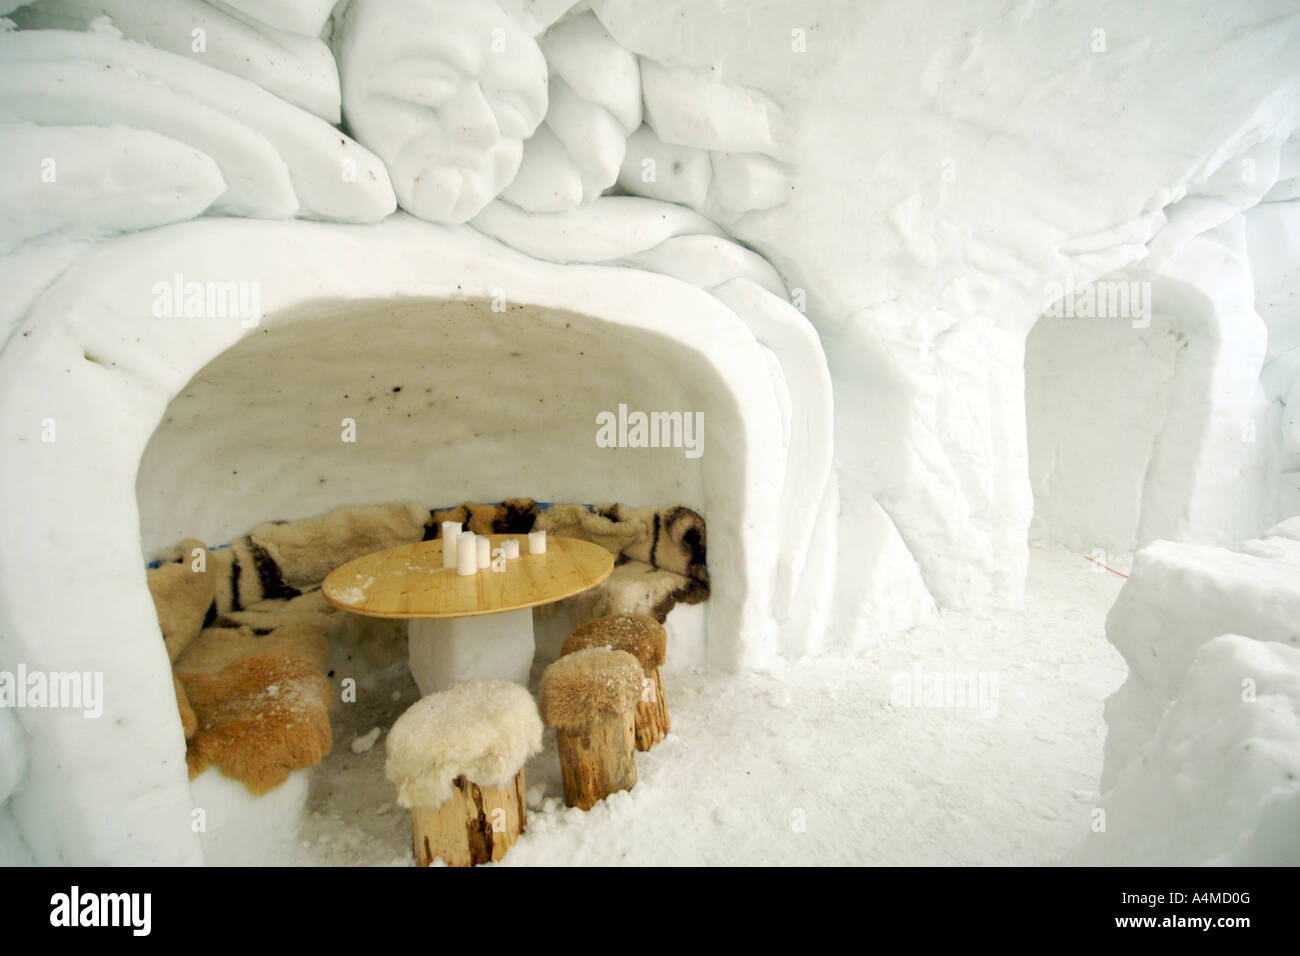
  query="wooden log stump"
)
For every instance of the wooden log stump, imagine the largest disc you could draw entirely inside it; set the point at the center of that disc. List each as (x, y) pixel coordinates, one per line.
(645, 639)
(458, 758)
(652, 714)
(590, 697)
(477, 825)
(598, 759)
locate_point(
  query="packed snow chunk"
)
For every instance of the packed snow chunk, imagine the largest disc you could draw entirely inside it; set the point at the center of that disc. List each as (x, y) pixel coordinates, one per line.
(548, 180)
(93, 181)
(445, 93)
(333, 177)
(1178, 597)
(748, 181)
(366, 741)
(653, 168)
(240, 829)
(71, 94)
(610, 228)
(707, 261)
(573, 157)
(591, 135)
(535, 15)
(298, 69)
(580, 52)
(1219, 783)
(793, 340)
(483, 730)
(306, 17)
(690, 107)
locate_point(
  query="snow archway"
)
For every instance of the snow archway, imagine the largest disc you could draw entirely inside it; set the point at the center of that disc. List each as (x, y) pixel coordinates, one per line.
(93, 362)
(1143, 406)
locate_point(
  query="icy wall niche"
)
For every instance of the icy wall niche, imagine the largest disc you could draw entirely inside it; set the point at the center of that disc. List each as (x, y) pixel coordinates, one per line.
(117, 368)
(1152, 423)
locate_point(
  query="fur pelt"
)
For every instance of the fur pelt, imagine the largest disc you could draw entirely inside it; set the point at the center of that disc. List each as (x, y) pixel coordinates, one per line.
(189, 723)
(218, 647)
(579, 687)
(611, 531)
(483, 730)
(676, 542)
(635, 587)
(309, 608)
(512, 516)
(641, 636)
(182, 597)
(305, 551)
(258, 719)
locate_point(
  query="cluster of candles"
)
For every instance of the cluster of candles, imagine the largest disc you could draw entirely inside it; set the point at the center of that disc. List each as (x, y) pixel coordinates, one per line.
(470, 553)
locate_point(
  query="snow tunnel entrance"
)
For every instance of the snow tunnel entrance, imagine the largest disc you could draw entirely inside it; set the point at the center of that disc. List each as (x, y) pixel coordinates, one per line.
(1117, 376)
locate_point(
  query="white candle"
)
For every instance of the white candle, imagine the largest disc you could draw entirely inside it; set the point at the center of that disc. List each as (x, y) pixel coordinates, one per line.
(537, 542)
(484, 552)
(466, 553)
(512, 547)
(450, 532)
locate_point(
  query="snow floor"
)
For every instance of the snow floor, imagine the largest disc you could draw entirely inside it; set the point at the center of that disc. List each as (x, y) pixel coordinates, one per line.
(817, 762)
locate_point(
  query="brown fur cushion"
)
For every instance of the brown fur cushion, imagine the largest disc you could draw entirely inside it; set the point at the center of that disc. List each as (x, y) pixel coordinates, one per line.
(182, 596)
(189, 723)
(512, 516)
(306, 550)
(309, 608)
(641, 636)
(579, 687)
(637, 588)
(218, 647)
(258, 719)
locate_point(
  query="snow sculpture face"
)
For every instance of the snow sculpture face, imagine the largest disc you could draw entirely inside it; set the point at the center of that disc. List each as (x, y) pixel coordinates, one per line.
(445, 92)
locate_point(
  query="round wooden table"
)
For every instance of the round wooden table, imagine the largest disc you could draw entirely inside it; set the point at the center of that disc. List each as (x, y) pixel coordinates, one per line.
(461, 627)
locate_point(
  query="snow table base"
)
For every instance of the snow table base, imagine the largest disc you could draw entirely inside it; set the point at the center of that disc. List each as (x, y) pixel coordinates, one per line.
(447, 651)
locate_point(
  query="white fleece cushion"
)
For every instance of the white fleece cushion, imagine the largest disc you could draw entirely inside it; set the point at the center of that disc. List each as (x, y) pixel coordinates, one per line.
(482, 729)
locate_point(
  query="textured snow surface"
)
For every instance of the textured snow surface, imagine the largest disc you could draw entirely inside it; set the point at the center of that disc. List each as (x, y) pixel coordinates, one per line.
(811, 763)
(298, 69)
(1178, 597)
(110, 179)
(276, 159)
(1219, 782)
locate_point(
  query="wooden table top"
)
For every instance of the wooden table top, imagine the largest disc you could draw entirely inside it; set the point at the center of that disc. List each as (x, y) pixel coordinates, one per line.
(409, 581)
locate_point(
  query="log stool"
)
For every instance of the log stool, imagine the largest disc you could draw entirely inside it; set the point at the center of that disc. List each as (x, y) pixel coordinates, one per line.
(457, 758)
(644, 638)
(590, 697)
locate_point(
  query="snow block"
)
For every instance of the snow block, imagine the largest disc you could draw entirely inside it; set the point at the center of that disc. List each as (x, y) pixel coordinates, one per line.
(103, 180)
(1178, 597)
(1219, 782)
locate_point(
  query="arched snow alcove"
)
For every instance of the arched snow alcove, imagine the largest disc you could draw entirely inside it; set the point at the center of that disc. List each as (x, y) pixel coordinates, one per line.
(1144, 410)
(215, 426)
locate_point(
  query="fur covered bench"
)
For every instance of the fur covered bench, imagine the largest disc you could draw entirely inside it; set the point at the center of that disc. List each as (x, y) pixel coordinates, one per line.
(248, 632)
